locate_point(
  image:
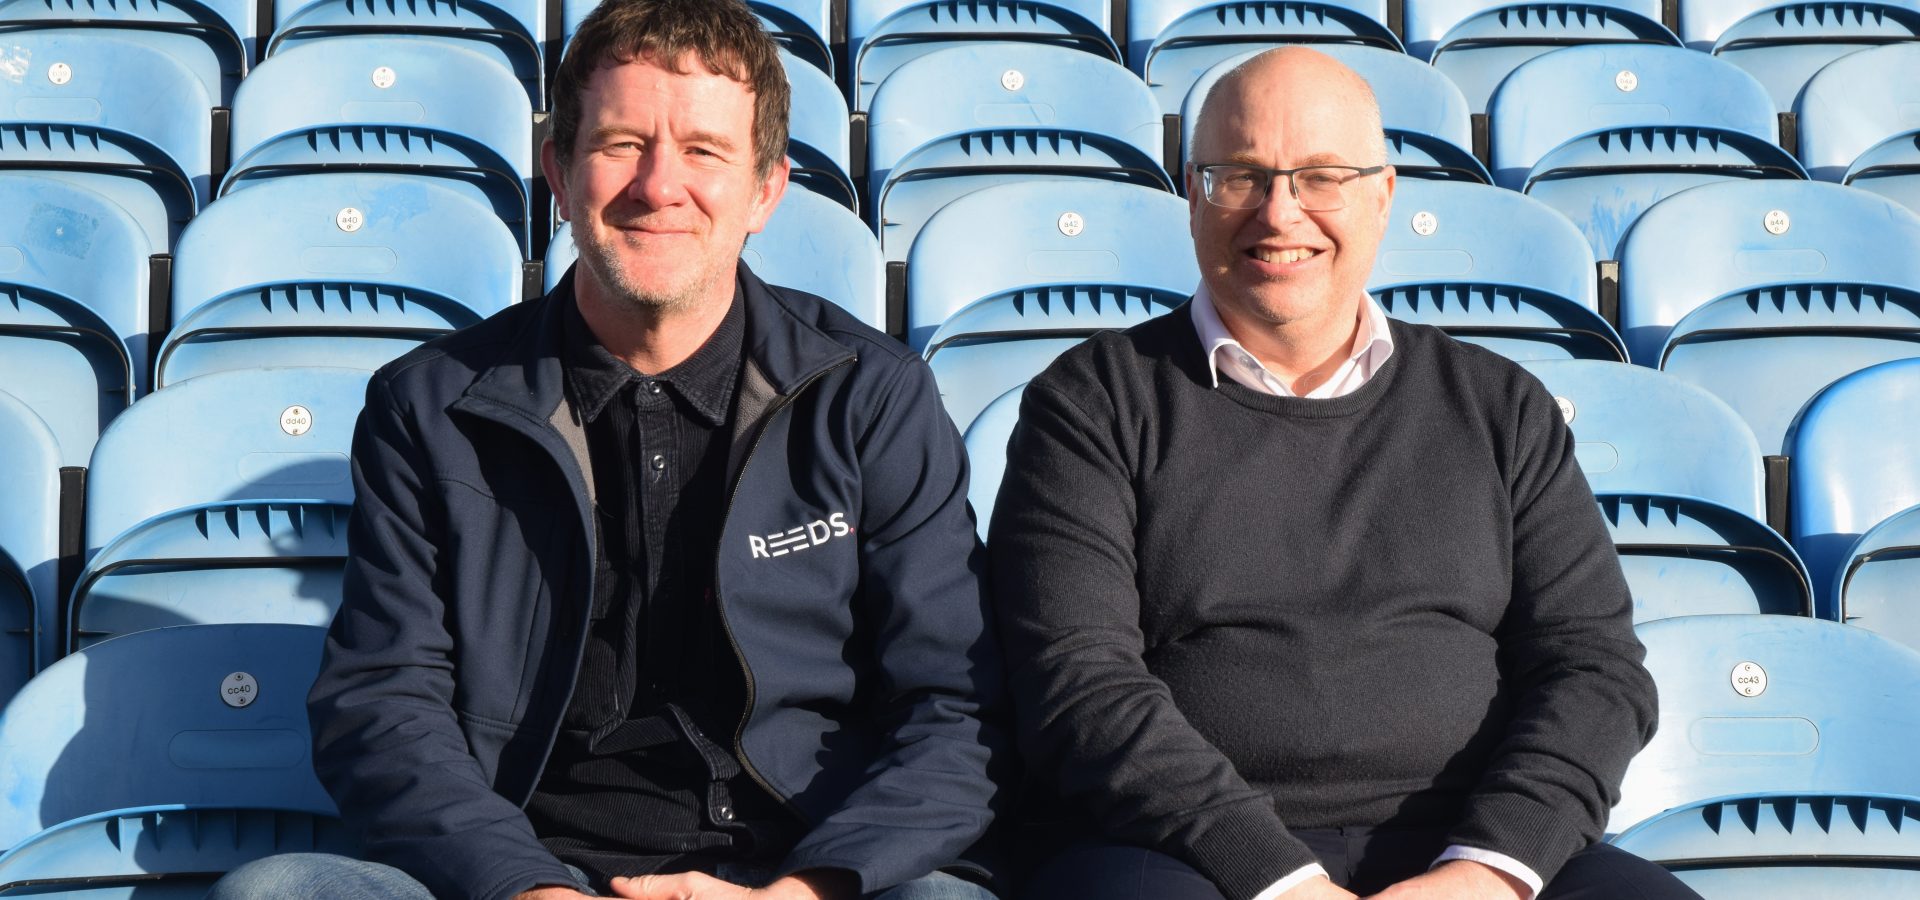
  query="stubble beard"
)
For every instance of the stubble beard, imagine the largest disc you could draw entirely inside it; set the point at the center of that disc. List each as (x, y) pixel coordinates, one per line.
(603, 261)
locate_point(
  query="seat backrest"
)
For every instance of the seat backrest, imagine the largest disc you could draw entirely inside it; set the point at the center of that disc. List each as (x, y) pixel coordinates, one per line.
(333, 256)
(1639, 431)
(29, 542)
(224, 28)
(512, 32)
(1706, 242)
(1447, 233)
(1201, 35)
(1873, 581)
(204, 715)
(1561, 95)
(885, 35)
(261, 434)
(1772, 704)
(1042, 233)
(1856, 102)
(166, 850)
(986, 441)
(818, 140)
(1425, 22)
(1855, 462)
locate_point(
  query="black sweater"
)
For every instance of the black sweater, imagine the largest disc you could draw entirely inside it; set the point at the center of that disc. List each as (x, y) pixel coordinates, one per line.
(1228, 613)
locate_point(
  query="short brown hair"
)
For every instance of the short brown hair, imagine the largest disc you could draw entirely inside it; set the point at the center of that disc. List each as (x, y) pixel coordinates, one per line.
(725, 36)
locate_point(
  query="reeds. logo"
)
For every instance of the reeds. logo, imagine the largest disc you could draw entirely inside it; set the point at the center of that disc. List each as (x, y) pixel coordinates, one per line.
(799, 537)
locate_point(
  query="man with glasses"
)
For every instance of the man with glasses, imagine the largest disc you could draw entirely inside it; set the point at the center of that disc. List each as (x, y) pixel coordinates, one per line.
(1301, 602)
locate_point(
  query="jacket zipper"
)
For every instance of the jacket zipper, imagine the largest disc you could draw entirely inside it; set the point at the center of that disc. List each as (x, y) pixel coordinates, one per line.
(719, 603)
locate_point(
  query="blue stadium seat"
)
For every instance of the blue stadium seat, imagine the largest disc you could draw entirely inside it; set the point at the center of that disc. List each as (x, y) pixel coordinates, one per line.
(1602, 133)
(1784, 44)
(1766, 320)
(1873, 587)
(883, 35)
(1679, 481)
(213, 37)
(113, 114)
(1005, 279)
(171, 852)
(223, 498)
(1449, 259)
(801, 27)
(986, 440)
(817, 140)
(150, 719)
(1172, 43)
(73, 306)
(1788, 846)
(810, 244)
(1855, 104)
(332, 270)
(510, 32)
(957, 120)
(1768, 705)
(1891, 169)
(29, 542)
(1855, 463)
(1429, 129)
(1476, 43)
(411, 105)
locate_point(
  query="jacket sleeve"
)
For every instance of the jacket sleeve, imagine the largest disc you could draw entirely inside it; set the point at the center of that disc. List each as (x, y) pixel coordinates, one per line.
(386, 742)
(932, 792)
(1092, 719)
(1584, 704)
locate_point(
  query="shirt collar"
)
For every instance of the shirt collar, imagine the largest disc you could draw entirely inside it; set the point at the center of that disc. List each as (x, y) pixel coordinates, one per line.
(1373, 345)
(705, 380)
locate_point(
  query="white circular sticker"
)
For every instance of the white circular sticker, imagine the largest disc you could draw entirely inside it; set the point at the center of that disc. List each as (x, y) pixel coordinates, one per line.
(1626, 81)
(1424, 223)
(350, 219)
(296, 420)
(59, 73)
(1749, 680)
(1567, 410)
(1071, 224)
(1777, 222)
(1013, 80)
(239, 690)
(383, 77)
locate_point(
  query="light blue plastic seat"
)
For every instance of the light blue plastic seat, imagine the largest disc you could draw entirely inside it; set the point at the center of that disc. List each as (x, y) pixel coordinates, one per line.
(1784, 44)
(1855, 463)
(1834, 718)
(1477, 43)
(73, 306)
(1891, 169)
(332, 270)
(145, 720)
(222, 498)
(884, 35)
(212, 37)
(1788, 846)
(1004, 280)
(1764, 320)
(986, 440)
(510, 32)
(112, 114)
(1429, 129)
(1855, 105)
(446, 112)
(1873, 585)
(1173, 43)
(801, 27)
(171, 852)
(1602, 133)
(29, 543)
(817, 139)
(954, 121)
(1449, 259)
(810, 244)
(1679, 480)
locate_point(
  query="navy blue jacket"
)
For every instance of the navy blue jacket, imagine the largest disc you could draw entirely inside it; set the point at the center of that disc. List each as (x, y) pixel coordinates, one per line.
(848, 575)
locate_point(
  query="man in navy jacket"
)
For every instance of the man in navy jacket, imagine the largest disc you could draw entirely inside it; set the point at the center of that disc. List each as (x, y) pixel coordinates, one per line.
(665, 585)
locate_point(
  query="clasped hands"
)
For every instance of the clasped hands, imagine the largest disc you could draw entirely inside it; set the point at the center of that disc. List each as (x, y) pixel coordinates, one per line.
(1454, 880)
(696, 886)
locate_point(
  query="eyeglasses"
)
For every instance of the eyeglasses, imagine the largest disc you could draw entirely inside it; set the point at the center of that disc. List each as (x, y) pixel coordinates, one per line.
(1317, 188)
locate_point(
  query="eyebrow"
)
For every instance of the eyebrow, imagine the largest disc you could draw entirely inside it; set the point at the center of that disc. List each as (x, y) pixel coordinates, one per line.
(1318, 159)
(698, 137)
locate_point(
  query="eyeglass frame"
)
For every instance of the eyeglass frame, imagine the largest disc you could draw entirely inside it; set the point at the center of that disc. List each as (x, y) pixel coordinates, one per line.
(1293, 185)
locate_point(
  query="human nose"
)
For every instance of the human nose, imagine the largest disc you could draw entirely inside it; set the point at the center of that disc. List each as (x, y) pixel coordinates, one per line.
(1280, 207)
(659, 180)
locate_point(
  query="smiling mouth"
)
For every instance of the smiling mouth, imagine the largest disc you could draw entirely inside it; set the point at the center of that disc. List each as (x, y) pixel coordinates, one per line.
(1282, 257)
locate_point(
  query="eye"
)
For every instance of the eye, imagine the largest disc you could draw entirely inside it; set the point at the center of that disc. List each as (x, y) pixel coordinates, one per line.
(1238, 179)
(1319, 180)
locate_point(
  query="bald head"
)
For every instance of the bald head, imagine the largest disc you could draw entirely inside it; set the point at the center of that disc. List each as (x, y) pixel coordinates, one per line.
(1336, 98)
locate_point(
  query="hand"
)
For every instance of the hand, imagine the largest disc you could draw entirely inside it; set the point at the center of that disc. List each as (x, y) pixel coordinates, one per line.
(1319, 887)
(551, 893)
(1458, 878)
(814, 885)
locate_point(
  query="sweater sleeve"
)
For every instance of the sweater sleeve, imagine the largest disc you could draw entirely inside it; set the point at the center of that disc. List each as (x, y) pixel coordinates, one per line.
(1093, 720)
(1584, 704)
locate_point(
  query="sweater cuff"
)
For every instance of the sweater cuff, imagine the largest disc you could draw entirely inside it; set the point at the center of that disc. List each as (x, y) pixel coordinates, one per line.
(1537, 836)
(1245, 850)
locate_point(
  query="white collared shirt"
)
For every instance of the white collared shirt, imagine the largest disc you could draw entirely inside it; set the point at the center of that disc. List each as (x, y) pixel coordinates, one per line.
(1372, 346)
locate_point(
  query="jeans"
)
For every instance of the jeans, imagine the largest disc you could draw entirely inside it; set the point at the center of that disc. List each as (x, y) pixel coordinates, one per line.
(324, 876)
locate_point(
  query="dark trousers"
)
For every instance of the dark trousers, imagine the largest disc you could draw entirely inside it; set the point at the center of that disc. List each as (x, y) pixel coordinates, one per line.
(1361, 860)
